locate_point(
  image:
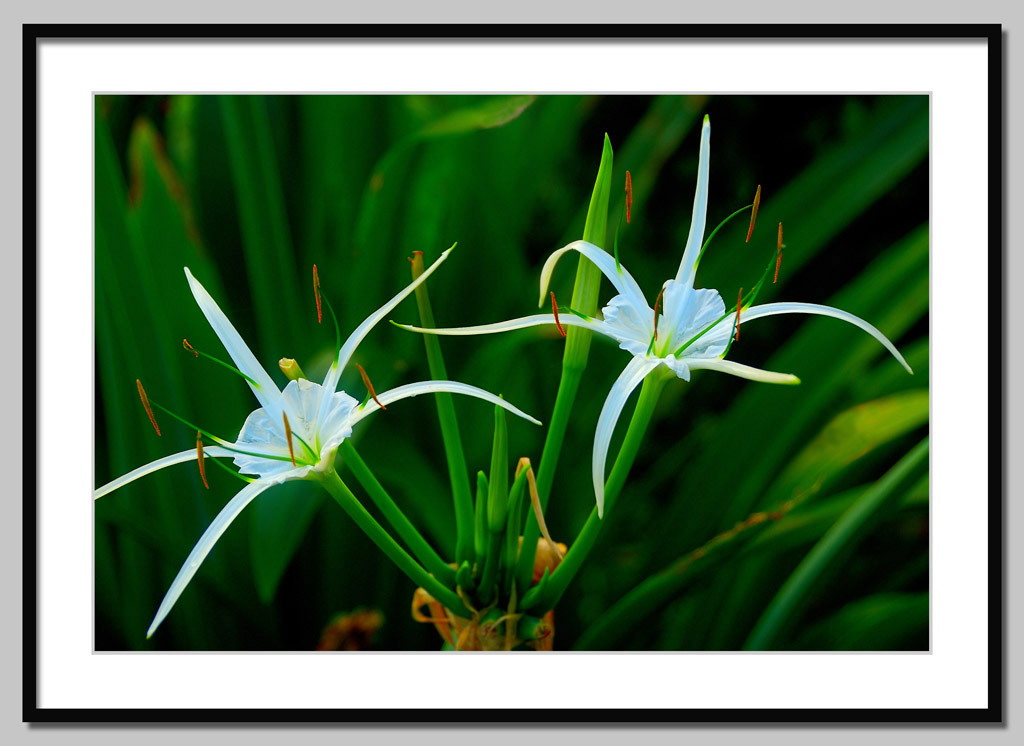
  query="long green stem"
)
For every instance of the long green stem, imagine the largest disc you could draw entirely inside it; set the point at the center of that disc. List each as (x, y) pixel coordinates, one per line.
(344, 497)
(458, 474)
(485, 591)
(574, 360)
(577, 554)
(480, 522)
(497, 505)
(398, 520)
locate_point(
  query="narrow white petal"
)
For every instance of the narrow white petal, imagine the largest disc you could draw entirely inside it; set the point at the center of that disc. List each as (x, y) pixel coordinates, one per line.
(266, 390)
(213, 532)
(160, 463)
(433, 387)
(540, 319)
(774, 309)
(618, 277)
(695, 239)
(631, 377)
(374, 318)
(743, 371)
(360, 332)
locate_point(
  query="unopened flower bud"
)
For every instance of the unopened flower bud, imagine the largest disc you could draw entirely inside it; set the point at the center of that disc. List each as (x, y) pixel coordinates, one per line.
(290, 368)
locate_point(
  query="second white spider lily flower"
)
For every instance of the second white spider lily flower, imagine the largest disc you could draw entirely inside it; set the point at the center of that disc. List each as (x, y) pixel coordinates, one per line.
(296, 432)
(690, 330)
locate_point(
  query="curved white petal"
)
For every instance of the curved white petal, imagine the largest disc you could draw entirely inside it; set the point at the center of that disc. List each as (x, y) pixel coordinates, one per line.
(213, 532)
(695, 239)
(265, 389)
(774, 309)
(627, 321)
(540, 319)
(742, 371)
(160, 463)
(631, 377)
(360, 332)
(433, 387)
(619, 278)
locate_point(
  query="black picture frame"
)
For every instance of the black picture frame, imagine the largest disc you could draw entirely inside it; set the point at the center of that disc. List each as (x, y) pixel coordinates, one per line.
(991, 34)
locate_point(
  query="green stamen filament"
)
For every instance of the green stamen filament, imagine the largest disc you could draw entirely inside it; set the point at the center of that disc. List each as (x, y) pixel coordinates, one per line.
(707, 242)
(219, 441)
(574, 312)
(229, 366)
(337, 328)
(746, 304)
(248, 480)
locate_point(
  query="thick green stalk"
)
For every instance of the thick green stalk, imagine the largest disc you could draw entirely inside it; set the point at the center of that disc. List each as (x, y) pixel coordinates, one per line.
(398, 520)
(485, 591)
(480, 521)
(513, 524)
(344, 497)
(497, 491)
(827, 555)
(458, 474)
(577, 554)
(574, 360)
(497, 504)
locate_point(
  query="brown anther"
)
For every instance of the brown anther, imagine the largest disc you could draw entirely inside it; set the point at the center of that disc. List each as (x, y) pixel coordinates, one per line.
(190, 348)
(288, 437)
(202, 458)
(554, 309)
(145, 403)
(415, 255)
(316, 294)
(369, 386)
(629, 195)
(778, 261)
(753, 213)
(657, 307)
(739, 307)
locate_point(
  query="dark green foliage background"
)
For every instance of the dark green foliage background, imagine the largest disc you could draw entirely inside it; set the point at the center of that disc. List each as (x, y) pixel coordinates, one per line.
(249, 192)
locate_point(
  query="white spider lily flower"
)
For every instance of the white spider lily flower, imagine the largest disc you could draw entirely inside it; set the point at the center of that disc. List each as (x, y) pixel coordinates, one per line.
(691, 330)
(296, 432)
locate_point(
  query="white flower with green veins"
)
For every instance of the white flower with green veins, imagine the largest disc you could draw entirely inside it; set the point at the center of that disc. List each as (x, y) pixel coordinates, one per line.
(296, 432)
(692, 330)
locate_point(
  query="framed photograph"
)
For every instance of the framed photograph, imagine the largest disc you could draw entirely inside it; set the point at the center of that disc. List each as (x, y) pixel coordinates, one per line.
(637, 361)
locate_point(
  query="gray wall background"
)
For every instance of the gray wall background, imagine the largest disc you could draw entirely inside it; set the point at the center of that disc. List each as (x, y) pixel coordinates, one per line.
(13, 14)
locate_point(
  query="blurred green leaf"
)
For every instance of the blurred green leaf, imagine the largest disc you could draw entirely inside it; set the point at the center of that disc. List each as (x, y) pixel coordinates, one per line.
(266, 235)
(823, 561)
(882, 622)
(848, 438)
(277, 529)
(492, 113)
